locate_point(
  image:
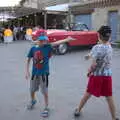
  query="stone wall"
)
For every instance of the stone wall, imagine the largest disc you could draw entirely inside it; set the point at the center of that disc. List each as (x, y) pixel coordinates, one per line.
(100, 17)
(118, 35)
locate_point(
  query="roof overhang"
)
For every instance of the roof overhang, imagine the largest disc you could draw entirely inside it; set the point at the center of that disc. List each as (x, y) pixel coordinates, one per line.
(60, 8)
(95, 4)
(87, 7)
(18, 11)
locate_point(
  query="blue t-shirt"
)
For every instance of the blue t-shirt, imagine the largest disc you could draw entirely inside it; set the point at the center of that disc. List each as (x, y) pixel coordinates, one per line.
(41, 56)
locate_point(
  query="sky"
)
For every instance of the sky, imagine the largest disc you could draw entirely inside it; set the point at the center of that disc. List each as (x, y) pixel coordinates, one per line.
(4, 3)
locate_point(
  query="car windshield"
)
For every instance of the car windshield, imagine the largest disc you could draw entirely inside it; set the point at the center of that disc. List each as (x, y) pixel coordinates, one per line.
(79, 27)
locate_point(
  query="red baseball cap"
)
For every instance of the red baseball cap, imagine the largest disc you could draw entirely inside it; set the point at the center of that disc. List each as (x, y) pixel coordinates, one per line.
(36, 34)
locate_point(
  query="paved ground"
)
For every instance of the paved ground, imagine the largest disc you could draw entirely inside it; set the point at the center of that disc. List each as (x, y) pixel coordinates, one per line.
(67, 84)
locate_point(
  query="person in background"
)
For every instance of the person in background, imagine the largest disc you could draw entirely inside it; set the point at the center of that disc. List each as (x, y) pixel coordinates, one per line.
(8, 35)
(29, 34)
(15, 31)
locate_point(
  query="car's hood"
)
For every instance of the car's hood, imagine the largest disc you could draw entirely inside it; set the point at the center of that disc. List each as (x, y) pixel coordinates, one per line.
(53, 31)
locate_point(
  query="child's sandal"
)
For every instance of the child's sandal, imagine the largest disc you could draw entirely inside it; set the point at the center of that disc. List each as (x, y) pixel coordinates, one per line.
(76, 113)
(45, 113)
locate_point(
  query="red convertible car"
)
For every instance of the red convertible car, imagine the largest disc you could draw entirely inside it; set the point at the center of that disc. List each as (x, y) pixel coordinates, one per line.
(80, 32)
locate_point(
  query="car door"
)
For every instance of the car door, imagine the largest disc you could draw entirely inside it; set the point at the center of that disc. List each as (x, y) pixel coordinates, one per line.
(80, 33)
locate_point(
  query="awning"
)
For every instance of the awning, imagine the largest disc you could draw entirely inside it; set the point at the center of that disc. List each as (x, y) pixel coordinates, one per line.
(60, 8)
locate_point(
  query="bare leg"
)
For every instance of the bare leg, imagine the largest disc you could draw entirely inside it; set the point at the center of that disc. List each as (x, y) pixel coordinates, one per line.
(45, 112)
(46, 99)
(32, 95)
(44, 89)
(84, 100)
(111, 105)
(32, 102)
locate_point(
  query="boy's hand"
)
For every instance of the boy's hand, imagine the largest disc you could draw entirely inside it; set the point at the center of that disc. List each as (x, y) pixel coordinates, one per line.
(27, 76)
(87, 57)
(88, 74)
(70, 38)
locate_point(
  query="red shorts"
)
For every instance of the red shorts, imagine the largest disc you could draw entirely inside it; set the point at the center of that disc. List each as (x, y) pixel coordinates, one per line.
(100, 86)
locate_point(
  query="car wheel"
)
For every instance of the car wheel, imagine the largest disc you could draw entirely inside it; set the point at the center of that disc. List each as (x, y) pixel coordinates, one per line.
(62, 48)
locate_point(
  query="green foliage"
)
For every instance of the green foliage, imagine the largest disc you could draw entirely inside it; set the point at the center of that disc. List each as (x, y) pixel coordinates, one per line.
(118, 43)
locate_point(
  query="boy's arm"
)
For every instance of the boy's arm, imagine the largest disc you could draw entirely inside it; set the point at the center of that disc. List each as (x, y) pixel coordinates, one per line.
(62, 41)
(92, 67)
(91, 54)
(27, 68)
(88, 56)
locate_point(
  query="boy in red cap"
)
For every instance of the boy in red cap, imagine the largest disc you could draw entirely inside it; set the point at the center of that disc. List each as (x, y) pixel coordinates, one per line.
(40, 53)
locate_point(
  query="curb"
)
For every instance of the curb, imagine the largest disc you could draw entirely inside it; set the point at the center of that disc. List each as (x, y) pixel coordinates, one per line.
(114, 44)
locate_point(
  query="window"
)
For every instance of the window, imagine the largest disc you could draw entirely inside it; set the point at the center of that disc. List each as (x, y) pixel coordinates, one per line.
(75, 0)
(80, 27)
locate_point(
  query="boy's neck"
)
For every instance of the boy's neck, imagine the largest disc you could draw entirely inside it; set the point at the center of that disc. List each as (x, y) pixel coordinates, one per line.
(105, 42)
